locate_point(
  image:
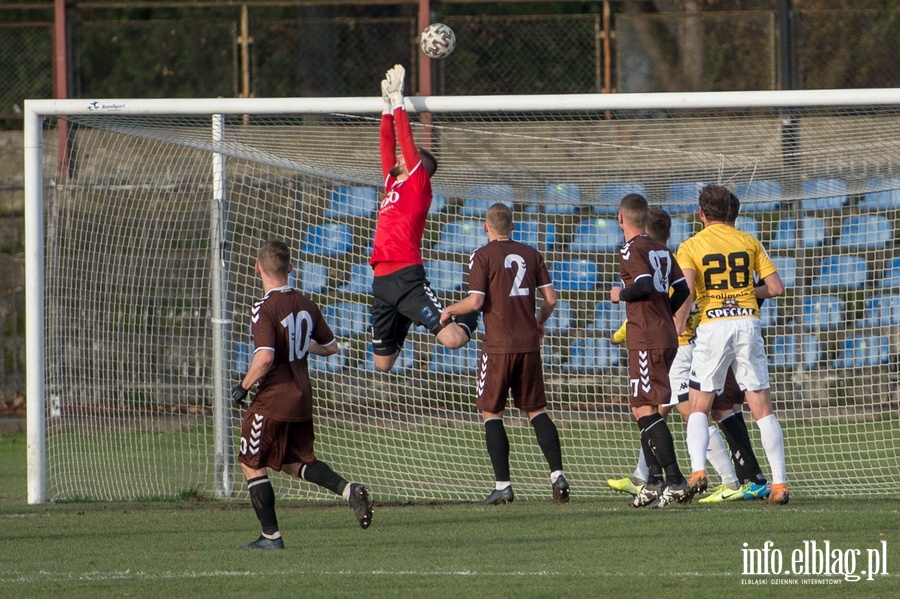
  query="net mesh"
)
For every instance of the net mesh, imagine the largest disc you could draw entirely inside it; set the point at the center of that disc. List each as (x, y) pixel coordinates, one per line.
(129, 252)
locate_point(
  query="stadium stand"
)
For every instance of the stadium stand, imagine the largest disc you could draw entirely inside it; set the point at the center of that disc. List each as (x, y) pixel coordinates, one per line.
(823, 194)
(351, 201)
(329, 239)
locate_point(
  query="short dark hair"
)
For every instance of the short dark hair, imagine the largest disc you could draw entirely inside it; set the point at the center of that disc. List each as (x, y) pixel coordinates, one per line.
(659, 224)
(634, 208)
(715, 201)
(734, 210)
(275, 258)
(428, 161)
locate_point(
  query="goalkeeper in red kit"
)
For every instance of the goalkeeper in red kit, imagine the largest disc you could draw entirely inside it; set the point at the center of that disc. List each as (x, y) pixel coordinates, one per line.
(401, 292)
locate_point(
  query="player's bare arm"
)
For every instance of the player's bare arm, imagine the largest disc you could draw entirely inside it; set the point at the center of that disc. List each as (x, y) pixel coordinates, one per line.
(329, 349)
(472, 303)
(773, 287)
(684, 312)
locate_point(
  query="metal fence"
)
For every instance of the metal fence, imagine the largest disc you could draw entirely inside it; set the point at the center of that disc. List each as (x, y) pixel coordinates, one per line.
(510, 54)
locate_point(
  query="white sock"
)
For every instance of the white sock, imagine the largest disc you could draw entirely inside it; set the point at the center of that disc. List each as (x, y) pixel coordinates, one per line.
(698, 440)
(773, 443)
(720, 458)
(641, 474)
(502, 484)
(346, 492)
(555, 475)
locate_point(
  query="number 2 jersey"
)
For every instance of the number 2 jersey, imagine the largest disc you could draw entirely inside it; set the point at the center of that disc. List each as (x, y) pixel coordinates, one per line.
(725, 260)
(507, 273)
(284, 321)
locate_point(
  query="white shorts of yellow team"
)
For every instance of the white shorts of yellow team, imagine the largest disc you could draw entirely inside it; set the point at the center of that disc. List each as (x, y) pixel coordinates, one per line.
(680, 373)
(733, 342)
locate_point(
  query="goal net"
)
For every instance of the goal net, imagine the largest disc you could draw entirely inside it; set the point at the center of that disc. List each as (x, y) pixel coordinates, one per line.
(145, 217)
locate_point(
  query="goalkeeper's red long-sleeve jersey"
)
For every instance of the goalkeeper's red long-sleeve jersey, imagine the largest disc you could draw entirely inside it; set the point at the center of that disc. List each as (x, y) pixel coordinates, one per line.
(404, 207)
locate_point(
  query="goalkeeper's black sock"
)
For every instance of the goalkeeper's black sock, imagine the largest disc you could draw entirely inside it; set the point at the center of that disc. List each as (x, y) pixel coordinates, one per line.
(654, 470)
(498, 447)
(659, 439)
(548, 440)
(746, 466)
(262, 496)
(468, 322)
(319, 473)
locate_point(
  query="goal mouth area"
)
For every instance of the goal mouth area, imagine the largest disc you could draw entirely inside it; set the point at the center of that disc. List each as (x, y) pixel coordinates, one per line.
(144, 218)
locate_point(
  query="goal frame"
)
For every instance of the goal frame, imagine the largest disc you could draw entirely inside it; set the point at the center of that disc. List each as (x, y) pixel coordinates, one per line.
(36, 111)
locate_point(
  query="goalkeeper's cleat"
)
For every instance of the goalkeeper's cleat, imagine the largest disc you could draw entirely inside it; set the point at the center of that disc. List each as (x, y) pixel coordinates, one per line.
(624, 485)
(560, 489)
(361, 504)
(778, 495)
(264, 543)
(648, 494)
(723, 493)
(680, 493)
(755, 491)
(500, 497)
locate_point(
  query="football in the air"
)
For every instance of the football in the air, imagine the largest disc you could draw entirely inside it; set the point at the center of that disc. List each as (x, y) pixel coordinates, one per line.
(438, 41)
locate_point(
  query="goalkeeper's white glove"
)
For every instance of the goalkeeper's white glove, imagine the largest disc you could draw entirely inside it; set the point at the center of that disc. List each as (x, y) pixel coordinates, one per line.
(394, 78)
(387, 99)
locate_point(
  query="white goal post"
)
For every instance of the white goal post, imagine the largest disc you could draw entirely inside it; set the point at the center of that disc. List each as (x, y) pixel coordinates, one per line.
(143, 218)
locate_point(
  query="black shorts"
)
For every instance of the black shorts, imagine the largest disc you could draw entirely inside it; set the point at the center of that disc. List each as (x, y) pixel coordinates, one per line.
(399, 300)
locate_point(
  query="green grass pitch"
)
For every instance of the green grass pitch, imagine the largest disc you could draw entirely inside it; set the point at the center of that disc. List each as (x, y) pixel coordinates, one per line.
(532, 548)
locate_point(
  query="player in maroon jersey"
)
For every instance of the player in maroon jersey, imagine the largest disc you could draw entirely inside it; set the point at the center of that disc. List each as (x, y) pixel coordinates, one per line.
(648, 269)
(402, 294)
(277, 430)
(503, 278)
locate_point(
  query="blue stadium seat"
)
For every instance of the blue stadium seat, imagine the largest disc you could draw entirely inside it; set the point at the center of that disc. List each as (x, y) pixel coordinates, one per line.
(360, 280)
(608, 317)
(313, 277)
(591, 355)
(560, 321)
(559, 198)
(822, 312)
(866, 232)
(536, 234)
(329, 239)
(611, 195)
(461, 237)
(323, 364)
(682, 229)
(823, 194)
(597, 235)
(480, 197)
(882, 310)
(438, 204)
(445, 276)
(862, 351)
(763, 195)
(243, 354)
(768, 314)
(841, 273)
(455, 361)
(350, 201)
(747, 224)
(881, 194)
(811, 228)
(403, 364)
(891, 278)
(787, 269)
(574, 275)
(347, 318)
(683, 197)
(788, 352)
